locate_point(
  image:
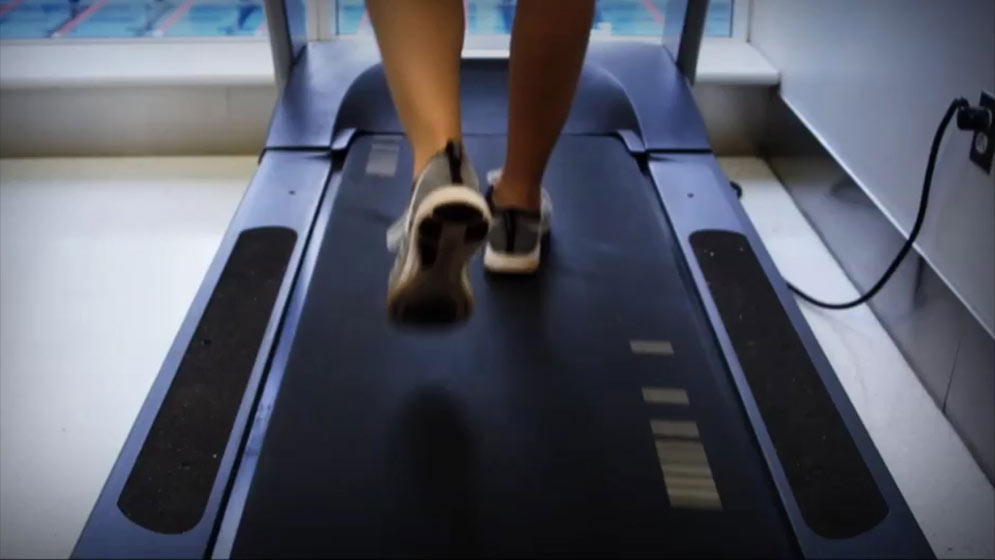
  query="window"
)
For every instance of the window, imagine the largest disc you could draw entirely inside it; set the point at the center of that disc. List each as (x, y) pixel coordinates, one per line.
(57, 19)
(65, 19)
(644, 18)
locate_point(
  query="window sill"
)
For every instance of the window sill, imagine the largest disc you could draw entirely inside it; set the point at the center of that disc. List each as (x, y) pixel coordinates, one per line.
(734, 62)
(135, 63)
(247, 62)
(721, 62)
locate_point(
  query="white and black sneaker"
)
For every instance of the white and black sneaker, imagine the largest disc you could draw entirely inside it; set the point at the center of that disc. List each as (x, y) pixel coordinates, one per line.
(514, 244)
(446, 222)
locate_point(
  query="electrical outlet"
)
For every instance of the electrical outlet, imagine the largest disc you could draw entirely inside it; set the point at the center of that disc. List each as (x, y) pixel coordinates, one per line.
(983, 143)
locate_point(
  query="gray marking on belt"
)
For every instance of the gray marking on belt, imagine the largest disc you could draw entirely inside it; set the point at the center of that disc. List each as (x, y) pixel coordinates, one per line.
(382, 161)
(658, 347)
(664, 395)
(686, 474)
(674, 428)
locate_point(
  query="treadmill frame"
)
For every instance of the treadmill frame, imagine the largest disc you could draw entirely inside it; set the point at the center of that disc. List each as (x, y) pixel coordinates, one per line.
(317, 158)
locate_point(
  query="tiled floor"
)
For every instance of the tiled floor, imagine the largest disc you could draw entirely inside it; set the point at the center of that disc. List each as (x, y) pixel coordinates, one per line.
(100, 258)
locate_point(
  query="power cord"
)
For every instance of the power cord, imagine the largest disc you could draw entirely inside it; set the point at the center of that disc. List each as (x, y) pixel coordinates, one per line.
(968, 118)
(735, 186)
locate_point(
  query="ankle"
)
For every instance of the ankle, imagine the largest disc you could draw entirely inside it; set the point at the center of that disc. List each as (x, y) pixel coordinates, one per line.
(421, 161)
(426, 149)
(517, 195)
(424, 156)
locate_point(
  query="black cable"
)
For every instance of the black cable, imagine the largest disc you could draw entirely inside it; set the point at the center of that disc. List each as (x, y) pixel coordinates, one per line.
(955, 105)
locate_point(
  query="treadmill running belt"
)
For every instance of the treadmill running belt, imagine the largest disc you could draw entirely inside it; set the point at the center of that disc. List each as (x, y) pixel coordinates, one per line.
(581, 411)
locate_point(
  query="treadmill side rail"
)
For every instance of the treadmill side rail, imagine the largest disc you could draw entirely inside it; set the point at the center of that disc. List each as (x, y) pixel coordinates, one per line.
(283, 195)
(696, 198)
(668, 116)
(309, 104)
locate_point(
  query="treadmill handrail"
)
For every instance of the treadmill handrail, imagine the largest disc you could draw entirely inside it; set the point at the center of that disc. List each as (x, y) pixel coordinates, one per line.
(286, 37)
(691, 34)
(285, 25)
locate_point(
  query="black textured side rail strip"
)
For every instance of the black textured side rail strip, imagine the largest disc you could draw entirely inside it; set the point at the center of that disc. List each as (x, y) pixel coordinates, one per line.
(170, 483)
(835, 491)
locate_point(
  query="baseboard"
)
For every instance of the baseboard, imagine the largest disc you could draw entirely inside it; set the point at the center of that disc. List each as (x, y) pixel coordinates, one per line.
(951, 352)
(735, 116)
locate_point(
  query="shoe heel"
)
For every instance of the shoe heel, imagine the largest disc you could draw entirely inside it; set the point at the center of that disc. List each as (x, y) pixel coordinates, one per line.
(429, 235)
(458, 213)
(476, 232)
(469, 216)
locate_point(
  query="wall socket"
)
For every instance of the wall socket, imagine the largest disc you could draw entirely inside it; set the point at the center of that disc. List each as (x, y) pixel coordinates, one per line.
(983, 143)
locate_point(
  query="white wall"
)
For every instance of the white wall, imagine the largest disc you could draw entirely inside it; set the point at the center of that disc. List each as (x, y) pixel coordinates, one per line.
(871, 79)
(177, 97)
(141, 120)
(134, 97)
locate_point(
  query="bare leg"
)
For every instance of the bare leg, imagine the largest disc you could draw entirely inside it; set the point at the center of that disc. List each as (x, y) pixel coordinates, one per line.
(420, 43)
(548, 43)
(447, 218)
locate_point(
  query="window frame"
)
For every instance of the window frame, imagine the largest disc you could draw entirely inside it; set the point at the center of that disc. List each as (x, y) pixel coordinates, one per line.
(740, 21)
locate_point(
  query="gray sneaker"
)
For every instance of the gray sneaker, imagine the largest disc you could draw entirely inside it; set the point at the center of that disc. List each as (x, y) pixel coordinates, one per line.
(514, 244)
(444, 225)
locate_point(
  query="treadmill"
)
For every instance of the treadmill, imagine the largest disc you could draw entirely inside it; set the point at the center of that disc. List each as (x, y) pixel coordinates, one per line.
(653, 391)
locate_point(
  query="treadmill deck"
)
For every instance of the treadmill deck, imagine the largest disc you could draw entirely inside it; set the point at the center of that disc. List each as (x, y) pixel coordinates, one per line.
(581, 411)
(654, 390)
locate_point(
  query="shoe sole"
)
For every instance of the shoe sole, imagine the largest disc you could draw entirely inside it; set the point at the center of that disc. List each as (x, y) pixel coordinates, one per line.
(507, 263)
(433, 286)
